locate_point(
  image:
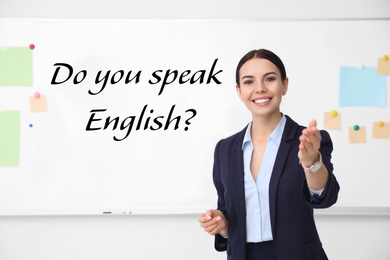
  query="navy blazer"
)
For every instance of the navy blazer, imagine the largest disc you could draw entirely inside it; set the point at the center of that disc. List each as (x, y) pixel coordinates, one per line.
(291, 206)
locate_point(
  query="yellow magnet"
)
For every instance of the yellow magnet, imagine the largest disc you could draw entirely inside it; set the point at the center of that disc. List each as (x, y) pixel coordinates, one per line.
(385, 57)
(381, 124)
(333, 113)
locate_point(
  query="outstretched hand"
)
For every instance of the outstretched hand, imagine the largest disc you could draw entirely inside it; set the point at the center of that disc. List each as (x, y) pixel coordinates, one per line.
(310, 143)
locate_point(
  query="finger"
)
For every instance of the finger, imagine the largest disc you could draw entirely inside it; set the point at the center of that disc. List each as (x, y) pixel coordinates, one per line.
(313, 141)
(305, 143)
(212, 222)
(308, 150)
(311, 129)
(209, 214)
(209, 229)
(216, 227)
(312, 133)
(313, 136)
(203, 222)
(215, 231)
(205, 216)
(312, 124)
(202, 218)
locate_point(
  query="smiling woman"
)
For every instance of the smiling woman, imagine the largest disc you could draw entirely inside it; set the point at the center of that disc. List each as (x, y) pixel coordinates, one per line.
(266, 193)
(261, 88)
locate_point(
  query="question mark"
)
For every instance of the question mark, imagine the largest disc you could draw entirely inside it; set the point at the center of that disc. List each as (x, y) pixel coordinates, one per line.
(188, 120)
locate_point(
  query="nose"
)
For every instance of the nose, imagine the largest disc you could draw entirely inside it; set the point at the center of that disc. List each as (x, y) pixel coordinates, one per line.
(261, 88)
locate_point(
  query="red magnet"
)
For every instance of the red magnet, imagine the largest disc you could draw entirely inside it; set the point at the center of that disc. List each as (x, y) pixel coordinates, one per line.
(32, 46)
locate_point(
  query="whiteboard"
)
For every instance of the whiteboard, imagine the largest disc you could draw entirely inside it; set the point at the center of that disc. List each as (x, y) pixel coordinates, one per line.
(65, 169)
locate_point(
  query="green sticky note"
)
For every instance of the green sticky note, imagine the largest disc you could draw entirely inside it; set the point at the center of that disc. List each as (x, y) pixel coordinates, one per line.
(9, 138)
(15, 66)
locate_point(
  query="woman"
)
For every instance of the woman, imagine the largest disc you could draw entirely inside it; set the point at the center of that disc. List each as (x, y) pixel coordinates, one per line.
(270, 175)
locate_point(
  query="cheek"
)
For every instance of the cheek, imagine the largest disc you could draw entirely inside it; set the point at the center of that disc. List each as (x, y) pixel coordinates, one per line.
(239, 92)
(281, 88)
(242, 93)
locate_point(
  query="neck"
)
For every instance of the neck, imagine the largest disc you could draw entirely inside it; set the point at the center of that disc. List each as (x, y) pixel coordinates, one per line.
(262, 127)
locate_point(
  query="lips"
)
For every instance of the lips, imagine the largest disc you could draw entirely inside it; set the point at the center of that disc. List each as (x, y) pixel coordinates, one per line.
(262, 100)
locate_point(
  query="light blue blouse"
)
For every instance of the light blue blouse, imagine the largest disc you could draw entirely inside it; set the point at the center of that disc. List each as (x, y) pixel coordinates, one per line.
(258, 220)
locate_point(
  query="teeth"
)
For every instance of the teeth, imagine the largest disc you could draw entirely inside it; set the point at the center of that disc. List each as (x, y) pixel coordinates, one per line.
(259, 101)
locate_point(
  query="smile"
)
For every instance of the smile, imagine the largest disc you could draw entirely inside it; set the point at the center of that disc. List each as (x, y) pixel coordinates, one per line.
(262, 100)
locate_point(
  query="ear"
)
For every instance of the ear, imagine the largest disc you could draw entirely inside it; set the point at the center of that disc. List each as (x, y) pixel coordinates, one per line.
(285, 86)
(238, 89)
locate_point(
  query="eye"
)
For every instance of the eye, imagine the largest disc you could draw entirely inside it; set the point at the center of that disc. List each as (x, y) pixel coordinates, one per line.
(247, 82)
(270, 79)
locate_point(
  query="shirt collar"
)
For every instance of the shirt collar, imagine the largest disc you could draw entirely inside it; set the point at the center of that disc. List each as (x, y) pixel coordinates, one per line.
(275, 136)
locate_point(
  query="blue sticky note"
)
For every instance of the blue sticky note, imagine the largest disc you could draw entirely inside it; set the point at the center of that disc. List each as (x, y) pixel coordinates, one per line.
(362, 87)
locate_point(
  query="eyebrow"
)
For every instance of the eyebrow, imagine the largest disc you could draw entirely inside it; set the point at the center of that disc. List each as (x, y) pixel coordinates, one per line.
(266, 74)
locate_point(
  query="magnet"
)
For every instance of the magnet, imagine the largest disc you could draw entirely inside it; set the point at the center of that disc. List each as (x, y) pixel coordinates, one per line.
(356, 127)
(37, 95)
(32, 46)
(385, 57)
(381, 124)
(333, 113)
(361, 66)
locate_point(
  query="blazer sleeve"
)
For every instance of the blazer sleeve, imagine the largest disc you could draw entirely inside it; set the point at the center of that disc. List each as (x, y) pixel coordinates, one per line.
(330, 193)
(220, 242)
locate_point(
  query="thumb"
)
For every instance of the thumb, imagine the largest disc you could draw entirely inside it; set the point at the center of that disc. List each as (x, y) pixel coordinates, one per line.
(312, 124)
(212, 213)
(209, 214)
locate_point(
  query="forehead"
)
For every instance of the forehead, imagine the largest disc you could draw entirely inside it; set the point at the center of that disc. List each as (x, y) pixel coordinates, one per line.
(257, 66)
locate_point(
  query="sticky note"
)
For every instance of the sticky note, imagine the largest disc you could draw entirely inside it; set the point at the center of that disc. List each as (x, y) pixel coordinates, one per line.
(362, 87)
(15, 66)
(383, 66)
(9, 138)
(357, 136)
(381, 131)
(38, 104)
(332, 122)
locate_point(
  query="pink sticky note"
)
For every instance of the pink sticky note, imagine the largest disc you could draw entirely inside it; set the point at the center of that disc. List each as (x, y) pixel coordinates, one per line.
(38, 104)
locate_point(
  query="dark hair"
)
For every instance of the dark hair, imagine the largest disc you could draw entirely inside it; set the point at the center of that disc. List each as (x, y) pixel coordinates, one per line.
(264, 54)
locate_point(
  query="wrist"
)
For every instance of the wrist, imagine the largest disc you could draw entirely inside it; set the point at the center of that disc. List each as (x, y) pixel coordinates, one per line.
(224, 231)
(315, 166)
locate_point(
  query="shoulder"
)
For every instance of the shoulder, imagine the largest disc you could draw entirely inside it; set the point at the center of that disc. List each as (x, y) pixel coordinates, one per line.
(230, 142)
(235, 138)
(292, 125)
(292, 130)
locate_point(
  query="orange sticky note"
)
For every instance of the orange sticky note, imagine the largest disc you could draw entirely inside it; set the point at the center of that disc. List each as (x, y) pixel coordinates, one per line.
(357, 136)
(383, 66)
(38, 104)
(381, 131)
(332, 122)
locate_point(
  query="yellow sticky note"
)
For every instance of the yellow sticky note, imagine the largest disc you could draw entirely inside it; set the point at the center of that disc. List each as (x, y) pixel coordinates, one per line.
(381, 131)
(332, 122)
(38, 104)
(357, 136)
(383, 66)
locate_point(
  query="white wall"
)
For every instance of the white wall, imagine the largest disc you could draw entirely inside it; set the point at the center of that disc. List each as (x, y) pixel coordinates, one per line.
(174, 236)
(200, 9)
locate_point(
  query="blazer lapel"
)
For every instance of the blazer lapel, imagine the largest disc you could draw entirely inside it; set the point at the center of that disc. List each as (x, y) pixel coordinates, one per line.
(237, 177)
(281, 158)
